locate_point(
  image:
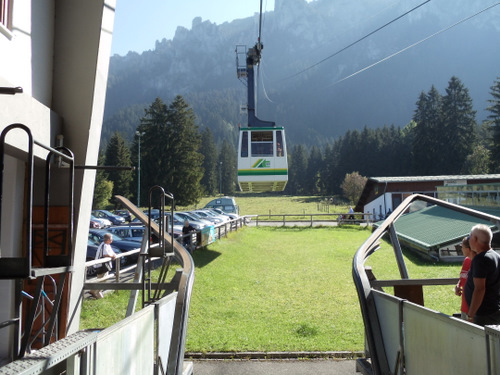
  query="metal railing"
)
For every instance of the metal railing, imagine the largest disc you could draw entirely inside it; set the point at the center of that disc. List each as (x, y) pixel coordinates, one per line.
(405, 337)
(145, 347)
(220, 230)
(318, 218)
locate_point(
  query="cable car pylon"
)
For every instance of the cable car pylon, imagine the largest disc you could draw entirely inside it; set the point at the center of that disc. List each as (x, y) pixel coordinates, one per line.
(262, 156)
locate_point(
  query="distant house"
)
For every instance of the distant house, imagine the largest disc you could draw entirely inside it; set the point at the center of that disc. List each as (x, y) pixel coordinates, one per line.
(382, 195)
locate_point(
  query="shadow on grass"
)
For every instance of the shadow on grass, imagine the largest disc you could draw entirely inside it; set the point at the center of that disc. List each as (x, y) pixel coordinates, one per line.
(308, 199)
(301, 228)
(204, 256)
(420, 259)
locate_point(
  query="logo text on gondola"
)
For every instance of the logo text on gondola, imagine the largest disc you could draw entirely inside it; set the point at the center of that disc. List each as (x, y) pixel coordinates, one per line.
(262, 163)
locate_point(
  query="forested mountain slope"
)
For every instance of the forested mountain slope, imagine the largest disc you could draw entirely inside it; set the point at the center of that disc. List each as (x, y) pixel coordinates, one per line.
(313, 101)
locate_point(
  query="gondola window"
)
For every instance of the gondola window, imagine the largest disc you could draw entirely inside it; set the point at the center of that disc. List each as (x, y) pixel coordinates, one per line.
(244, 145)
(262, 143)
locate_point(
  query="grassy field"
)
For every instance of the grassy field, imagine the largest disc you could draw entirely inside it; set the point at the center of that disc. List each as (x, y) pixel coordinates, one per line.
(279, 289)
(275, 205)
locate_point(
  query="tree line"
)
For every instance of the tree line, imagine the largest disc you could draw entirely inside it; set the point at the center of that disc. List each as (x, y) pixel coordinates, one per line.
(443, 138)
(168, 150)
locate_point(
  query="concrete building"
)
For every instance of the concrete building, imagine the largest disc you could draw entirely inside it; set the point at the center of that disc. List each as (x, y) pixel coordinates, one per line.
(53, 76)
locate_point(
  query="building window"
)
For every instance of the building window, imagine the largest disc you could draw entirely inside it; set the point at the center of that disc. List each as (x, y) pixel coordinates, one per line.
(6, 13)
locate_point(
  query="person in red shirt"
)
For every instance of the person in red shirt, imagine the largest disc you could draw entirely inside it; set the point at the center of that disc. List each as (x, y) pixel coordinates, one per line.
(459, 288)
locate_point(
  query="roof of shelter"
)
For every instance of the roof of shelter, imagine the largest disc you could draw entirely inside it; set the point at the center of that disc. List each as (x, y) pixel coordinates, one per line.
(372, 182)
(435, 225)
(435, 178)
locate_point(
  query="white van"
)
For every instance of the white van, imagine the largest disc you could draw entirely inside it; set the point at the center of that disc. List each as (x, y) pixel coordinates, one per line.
(226, 204)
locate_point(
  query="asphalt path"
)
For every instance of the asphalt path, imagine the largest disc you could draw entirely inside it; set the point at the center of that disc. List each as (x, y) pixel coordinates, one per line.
(275, 367)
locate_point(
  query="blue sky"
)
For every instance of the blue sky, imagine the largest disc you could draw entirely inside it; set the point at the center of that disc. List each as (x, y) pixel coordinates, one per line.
(139, 24)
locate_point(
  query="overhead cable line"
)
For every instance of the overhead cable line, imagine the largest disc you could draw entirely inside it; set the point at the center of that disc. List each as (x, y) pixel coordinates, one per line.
(264, 86)
(416, 43)
(357, 41)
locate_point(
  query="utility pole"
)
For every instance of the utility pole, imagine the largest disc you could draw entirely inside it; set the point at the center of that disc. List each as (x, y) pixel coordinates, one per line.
(139, 134)
(220, 179)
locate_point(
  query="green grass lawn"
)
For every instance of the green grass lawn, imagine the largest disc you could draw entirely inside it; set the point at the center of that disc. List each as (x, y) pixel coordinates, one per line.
(440, 298)
(282, 289)
(275, 204)
(277, 289)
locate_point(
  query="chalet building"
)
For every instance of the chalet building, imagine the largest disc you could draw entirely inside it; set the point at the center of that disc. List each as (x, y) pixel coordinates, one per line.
(382, 194)
(433, 232)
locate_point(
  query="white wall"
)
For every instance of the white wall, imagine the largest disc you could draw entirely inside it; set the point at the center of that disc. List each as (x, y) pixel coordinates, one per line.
(80, 79)
(58, 52)
(379, 206)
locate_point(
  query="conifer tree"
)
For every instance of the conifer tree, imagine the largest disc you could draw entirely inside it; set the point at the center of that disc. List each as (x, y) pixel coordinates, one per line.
(103, 187)
(296, 170)
(209, 151)
(459, 127)
(427, 133)
(227, 168)
(494, 118)
(327, 169)
(312, 179)
(118, 155)
(170, 154)
(186, 161)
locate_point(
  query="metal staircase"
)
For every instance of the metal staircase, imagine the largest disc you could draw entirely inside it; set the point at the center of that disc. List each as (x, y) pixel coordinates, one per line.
(162, 249)
(40, 266)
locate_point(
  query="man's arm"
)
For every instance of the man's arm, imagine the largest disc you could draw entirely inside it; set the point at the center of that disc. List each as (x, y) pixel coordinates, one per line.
(109, 253)
(477, 296)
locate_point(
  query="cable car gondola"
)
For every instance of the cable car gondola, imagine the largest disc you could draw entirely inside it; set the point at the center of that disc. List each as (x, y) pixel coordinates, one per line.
(262, 161)
(262, 155)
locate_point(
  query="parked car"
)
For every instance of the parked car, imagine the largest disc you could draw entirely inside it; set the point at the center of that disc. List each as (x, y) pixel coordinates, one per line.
(97, 235)
(115, 219)
(92, 247)
(198, 218)
(129, 232)
(155, 214)
(197, 224)
(206, 215)
(178, 220)
(125, 214)
(176, 223)
(96, 224)
(223, 216)
(104, 222)
(230, 215)
(226, 204)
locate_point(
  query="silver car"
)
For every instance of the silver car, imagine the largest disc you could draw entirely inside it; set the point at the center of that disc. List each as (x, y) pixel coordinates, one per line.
(197, 223)
(209, 216)
(220, 212)
(129, 232)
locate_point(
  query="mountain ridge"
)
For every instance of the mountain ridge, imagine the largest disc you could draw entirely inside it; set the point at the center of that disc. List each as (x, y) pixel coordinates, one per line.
(314, 104)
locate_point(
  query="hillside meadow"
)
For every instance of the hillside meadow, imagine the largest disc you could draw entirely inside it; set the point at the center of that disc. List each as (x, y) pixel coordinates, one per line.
(277, 204)
(282, 288)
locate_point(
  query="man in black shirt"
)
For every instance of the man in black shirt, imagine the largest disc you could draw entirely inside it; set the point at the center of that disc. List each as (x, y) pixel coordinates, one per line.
(482, 289)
